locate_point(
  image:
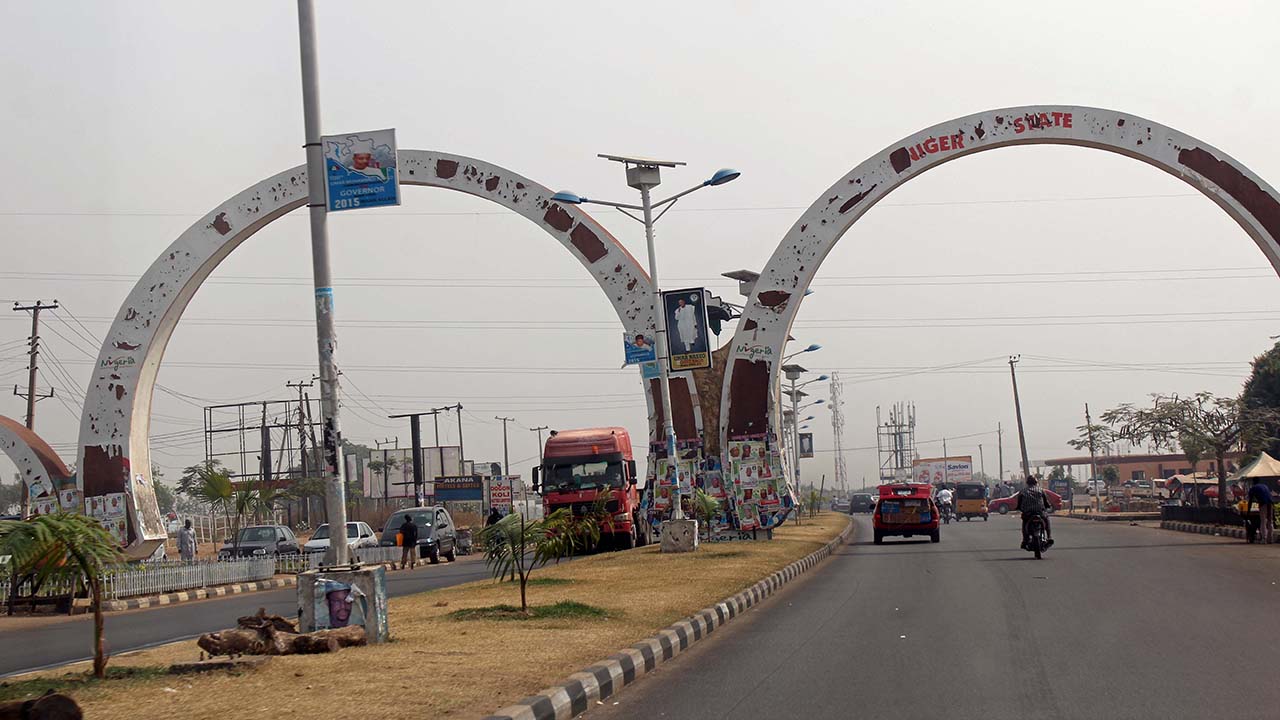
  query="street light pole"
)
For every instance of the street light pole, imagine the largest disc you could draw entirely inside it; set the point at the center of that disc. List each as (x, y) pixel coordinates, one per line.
(644, 174)
(326, 335)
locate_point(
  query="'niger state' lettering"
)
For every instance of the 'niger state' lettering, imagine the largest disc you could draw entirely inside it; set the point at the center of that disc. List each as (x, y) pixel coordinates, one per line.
(936, 145)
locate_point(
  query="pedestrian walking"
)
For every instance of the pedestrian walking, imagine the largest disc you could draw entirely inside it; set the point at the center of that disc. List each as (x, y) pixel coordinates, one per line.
(187, 542)
(494, 517)
(409, 543)
(1261, 494)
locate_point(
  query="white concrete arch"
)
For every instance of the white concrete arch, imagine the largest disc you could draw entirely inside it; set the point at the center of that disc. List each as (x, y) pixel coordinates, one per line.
(749, 397)
(114, 456)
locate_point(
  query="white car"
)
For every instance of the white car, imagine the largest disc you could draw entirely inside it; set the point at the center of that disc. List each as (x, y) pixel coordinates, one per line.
(359, 535)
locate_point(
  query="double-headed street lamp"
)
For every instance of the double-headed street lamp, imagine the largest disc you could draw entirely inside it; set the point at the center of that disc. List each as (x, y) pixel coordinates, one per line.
(644, 174)
(793, 373)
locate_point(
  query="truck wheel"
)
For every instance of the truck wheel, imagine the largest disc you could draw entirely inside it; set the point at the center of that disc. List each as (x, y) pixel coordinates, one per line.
(452, 554)
(435, 556)
(935, 536)
(878, 538)
(628, 541)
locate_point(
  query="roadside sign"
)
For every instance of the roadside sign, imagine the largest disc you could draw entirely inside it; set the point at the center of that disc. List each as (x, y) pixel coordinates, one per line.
(639, 349)
(360, 170)
(500, 491)
(650, 370)
(688, 346)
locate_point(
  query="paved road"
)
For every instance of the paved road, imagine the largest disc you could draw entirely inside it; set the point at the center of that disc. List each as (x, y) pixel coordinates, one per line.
(1115, 622)
(63, 642)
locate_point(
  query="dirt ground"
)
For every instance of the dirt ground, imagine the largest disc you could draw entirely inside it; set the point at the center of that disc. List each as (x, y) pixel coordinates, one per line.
(437, 665)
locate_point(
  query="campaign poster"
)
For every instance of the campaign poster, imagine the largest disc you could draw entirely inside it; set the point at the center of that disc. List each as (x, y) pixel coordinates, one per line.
(638, 349)
(806, 445)
(688, 345)
(338, 604)
(360, 170)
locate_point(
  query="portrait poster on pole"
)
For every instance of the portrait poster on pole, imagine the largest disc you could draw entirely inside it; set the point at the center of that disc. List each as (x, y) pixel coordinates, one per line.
(360, 170)
(688, 345)
(638, 349)
(806, 445)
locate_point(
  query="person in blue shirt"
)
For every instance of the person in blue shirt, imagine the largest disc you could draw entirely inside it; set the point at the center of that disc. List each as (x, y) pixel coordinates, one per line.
(1261, 494)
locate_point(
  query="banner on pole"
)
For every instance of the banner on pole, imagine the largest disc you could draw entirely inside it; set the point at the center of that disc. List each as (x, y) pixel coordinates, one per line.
(688, 345)
(806, 445)
(639, 349)
(360, 170)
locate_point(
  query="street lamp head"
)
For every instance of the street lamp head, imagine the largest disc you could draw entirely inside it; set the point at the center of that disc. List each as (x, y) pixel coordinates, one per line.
(808, 292)
(823, 377)
(568, 198)
(812, 348)
(819, 401)
(722, 176)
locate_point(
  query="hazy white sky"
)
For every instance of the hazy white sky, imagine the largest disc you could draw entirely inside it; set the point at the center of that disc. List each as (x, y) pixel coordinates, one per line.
(126, 121)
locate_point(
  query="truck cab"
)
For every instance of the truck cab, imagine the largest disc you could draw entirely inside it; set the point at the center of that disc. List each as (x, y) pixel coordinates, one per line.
(578, 466)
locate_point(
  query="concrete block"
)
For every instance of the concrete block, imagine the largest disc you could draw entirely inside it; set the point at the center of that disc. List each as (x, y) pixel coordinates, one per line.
(342, 596)
(679, 536)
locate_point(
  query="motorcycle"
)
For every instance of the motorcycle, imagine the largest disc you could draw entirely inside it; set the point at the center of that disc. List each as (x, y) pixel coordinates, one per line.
(947, 511)
(1037, 536)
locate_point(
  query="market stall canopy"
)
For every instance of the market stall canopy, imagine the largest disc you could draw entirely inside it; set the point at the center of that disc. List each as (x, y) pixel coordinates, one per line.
(1264, 467)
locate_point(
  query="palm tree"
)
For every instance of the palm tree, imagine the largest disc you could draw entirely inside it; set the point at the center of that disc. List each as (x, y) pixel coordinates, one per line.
(705, 507)
(517, 546)
(66, 546)
(213, 485)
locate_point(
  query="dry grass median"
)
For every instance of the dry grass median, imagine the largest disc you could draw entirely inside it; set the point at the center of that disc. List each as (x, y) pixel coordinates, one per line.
(443, 662)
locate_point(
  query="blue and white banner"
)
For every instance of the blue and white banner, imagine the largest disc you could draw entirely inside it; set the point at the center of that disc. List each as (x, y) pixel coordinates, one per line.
(639, 349)
(360, 170)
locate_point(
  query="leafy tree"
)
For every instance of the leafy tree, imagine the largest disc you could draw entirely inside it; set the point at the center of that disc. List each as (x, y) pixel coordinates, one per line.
(1201, 425)
(193, 476)
(1262, 391)
(515, 546)
(1110, 475)
(65, 546)
(165, 497)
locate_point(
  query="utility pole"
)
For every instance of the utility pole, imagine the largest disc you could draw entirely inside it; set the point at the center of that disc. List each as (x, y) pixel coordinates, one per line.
(1000, 449)
(31, 396)
(1017, 407)
(1093, 460)
(326, 335)
(302, 439)
(539, 430)
(506, 458)
(946, 474)
(982, 463)
(462, 456)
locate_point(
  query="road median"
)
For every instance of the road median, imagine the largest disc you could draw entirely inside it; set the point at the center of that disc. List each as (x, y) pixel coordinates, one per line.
(443, 662)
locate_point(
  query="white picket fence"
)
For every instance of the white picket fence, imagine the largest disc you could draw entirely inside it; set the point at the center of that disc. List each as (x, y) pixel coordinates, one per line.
(293, 563)
(157, 578)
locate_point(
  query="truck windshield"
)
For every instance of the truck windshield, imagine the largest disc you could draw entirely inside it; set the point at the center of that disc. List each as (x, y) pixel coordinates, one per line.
(584, 476)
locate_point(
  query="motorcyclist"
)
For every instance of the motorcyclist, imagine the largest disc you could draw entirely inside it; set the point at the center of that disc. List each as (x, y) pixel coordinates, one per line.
(1033, 501)
(944, 500)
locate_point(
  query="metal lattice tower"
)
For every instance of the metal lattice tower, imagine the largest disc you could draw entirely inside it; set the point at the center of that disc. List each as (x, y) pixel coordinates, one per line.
(837, 430)
(896, 442)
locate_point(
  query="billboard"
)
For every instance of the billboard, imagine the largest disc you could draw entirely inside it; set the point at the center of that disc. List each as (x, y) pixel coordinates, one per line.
(459, 487)
(500, 492)
(688, 346)
(953, 469)
(401, 485)
(806, 445)
(360, 170)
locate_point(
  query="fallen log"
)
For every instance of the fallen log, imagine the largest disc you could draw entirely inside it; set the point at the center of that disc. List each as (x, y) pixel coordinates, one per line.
(50, 706)
(267, 640)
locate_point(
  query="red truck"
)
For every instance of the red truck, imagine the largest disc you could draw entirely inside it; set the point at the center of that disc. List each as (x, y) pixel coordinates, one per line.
(580, 465)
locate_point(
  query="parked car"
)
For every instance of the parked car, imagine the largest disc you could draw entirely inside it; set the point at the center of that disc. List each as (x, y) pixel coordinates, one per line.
(861, 503)
(1096, 487)
(260, 540)
(1007, 505)
(437, 537)
(840, 505)
(905, 509)
(359, 535)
